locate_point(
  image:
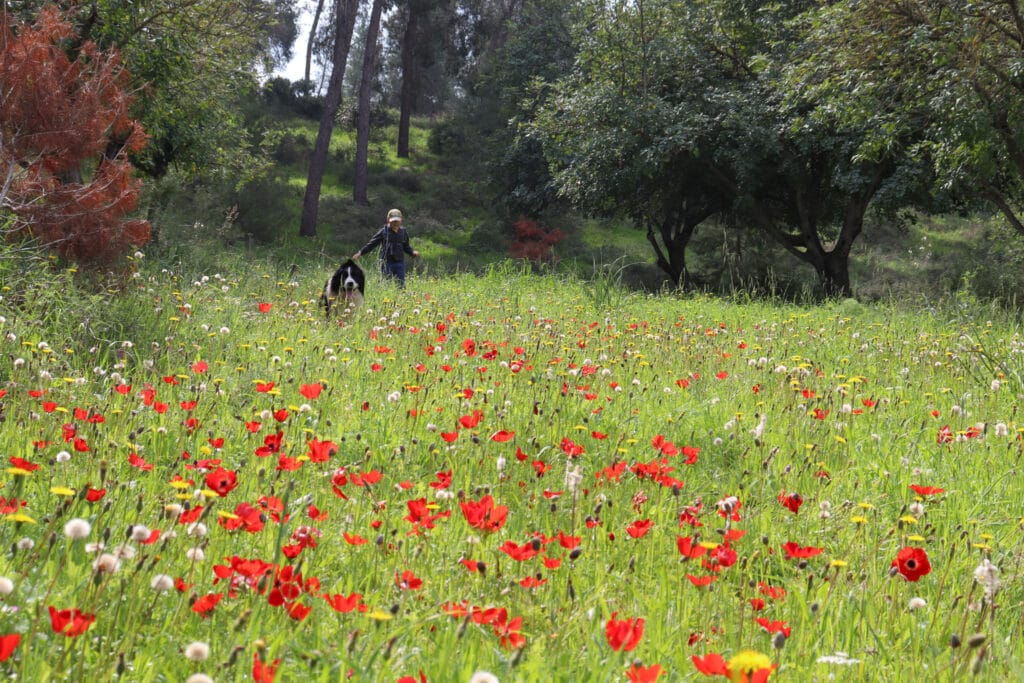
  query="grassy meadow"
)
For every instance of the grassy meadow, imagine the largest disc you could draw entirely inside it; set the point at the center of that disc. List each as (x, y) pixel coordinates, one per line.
(534, 476)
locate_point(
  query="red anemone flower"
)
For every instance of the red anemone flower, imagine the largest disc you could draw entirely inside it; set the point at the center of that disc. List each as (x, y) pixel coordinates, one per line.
(623, 634)
(926, 490)
(641, 674)
(8, 644)
(791, 501)
(484, 515)
(70, 622)
(222, 481)
(912, 563)
(639, 528)
(797, 552)
(263, 672)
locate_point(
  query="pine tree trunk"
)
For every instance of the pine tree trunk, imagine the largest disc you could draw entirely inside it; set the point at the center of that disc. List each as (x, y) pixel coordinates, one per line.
(410, 74)
(312, 38)
(361, 180)
(345, 14)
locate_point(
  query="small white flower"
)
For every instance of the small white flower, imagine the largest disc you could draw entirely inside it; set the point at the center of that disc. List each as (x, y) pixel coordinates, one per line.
(6, 586)
(77, 529)
(987, 574)
(107, 563)
(198, 529)
(195, 554)
(996, 384)
(161, 583)
(62, 456)
(140, 533)
(840, 658)
(1001, 429)
(197, 651)
(916, 603)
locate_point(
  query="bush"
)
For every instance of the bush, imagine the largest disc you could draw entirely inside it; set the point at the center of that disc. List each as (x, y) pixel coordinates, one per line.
(265, 210)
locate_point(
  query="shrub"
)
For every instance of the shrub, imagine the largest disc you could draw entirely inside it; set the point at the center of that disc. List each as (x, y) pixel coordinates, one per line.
(534, 242)
(65, 136)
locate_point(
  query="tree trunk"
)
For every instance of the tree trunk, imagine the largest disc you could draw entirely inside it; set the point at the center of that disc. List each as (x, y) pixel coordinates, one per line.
(345, 14)
(361, 180)
(410, 76)
(675, 237)
(312, 38)
(834, 274)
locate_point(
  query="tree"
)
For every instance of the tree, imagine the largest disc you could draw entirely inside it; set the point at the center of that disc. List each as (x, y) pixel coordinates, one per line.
(190, 61)
(361, 179)
(680, 112)
(345, 21)
(623, 135)
(958, 62)
(59, 114)
(410, 46)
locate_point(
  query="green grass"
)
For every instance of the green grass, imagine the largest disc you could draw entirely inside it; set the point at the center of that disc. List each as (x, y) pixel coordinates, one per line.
(555, 363)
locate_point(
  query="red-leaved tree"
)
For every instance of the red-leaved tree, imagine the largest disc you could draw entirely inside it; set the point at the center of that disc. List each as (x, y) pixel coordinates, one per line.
(65, 136)
(534, 242)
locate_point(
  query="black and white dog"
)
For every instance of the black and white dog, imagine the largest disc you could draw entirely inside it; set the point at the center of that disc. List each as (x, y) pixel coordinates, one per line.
(348, 282)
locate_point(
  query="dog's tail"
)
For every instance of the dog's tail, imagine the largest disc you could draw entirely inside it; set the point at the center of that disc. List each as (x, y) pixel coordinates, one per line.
(325, 301)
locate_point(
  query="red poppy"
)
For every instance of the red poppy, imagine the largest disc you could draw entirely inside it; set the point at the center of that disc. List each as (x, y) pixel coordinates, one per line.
(484, 515)
(926, 490)
(571, 448)
(204, 605)
(222, 481)
(408, 581)
(641, 674)
(700, 581)
(711, 664)
(263, 672)
(8, 644)
(623, 634)
(945, 435)
(412, 679)
(321, 451)
(797, 552)
(95, 495)
(70, 622)
(791, 501)
(23, 464)
(340, 603)
(639, 528)
(200, 366)
(689, 549)
(502, 436)
(912, 563)
(774, 626)
(353, 539)
(135, 460)
(311, 391)
(264, 307)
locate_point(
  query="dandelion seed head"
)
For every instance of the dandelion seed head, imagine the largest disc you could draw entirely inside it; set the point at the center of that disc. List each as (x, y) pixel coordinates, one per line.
(6, 586)
(62, 456)
(195, 554)
(161, 583)
(106, 563)
(916, 603)
(77, 529)
(197, 651)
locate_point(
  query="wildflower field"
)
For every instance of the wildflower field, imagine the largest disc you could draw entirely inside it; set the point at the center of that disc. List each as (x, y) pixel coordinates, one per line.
(535, 477)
